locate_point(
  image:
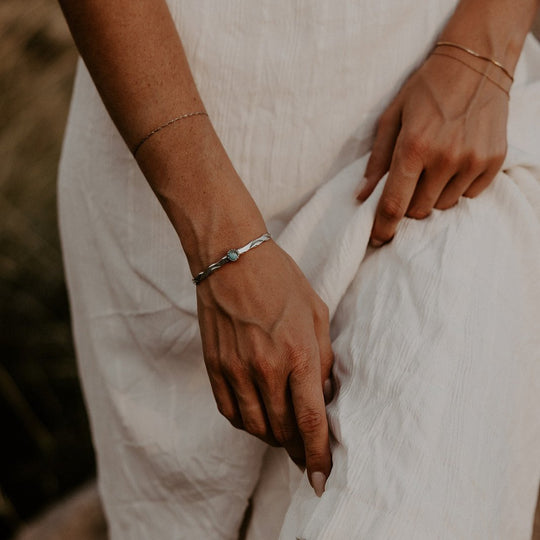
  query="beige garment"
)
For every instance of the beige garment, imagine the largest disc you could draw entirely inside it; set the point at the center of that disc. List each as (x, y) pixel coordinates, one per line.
(436, 336)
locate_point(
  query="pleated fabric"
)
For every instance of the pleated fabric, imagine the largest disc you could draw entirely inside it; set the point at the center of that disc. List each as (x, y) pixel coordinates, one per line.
(435, 422)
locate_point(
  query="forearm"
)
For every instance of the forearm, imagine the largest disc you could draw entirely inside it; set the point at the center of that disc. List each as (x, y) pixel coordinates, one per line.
(495, 28)
(136, 59)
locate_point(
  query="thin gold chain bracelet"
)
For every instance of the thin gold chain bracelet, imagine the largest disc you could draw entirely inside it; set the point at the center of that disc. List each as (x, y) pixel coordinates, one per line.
(435, 53)
(476, 55)
(163, 126)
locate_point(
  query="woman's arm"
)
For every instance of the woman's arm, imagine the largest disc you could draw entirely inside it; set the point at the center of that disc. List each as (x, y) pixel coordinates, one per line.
(444, 135)
(496, 28)
(265, 332)
(137, 61)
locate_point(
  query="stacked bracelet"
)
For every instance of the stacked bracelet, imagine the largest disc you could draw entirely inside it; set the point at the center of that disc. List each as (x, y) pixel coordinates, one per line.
(478, 56)
(474, 69)
(231, 256)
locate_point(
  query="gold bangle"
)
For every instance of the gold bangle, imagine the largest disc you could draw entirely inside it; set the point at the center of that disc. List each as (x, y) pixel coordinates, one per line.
(474, 69)
(477, 55)
(162, 126)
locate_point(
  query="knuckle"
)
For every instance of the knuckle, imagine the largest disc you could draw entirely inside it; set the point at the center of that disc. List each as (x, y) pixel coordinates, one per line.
(215, 373)
(231, 371)
(302, 368)
(482, 182)
(478, 186)
(255, 428)
(418, 212)
(322, 311)
(415, 145)
(474, 162)
(445, 204)
(225, 410)
(300, 356)
(498, 159)
(230, 414)
(448, 157)
(212, 360)
(309, 421)
(284, 435)
(263, 369)
(391, 209)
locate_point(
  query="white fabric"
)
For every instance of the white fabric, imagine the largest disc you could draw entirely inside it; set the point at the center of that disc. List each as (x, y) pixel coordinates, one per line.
(437, 335)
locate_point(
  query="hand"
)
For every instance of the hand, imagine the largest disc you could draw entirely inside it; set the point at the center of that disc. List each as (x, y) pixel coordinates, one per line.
(266, 345)
(442, 137)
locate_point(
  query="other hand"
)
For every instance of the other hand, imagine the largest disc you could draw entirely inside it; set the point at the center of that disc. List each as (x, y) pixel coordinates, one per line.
(443, 136)
(266, 345)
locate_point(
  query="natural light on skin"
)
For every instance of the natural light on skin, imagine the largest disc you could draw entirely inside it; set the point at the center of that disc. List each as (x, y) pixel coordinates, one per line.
(264, 329)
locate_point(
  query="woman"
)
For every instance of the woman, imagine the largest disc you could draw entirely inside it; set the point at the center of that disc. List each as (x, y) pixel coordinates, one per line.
(261, 119)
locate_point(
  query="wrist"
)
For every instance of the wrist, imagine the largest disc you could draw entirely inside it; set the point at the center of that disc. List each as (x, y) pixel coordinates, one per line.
(201, 192)
(474, 67)
(493, 28)
(221, 216)
(207, 237)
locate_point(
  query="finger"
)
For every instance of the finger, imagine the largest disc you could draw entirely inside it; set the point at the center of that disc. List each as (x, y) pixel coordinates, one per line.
(252, 411)
(279, 410)
(322, 330)
(321, 322)
(405, 171)
(225, 399)
(310, 412)
(473, 167)
(381, 155)
(493, 166)
(223, 393)
(427, 191)
(454, 190)
(479, 185)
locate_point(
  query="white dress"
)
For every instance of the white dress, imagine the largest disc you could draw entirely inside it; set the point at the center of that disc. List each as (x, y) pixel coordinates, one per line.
(436, 421)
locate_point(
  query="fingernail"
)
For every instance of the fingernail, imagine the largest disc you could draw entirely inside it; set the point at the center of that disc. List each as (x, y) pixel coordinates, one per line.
(375, 243)
(328, 391)
(318, 481)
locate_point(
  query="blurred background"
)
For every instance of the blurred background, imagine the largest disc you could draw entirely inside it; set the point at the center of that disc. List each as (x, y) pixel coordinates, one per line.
(46, 448)
(47, 465)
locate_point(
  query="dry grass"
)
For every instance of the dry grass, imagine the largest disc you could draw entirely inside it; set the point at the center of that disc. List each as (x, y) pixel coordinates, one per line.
(48, 451)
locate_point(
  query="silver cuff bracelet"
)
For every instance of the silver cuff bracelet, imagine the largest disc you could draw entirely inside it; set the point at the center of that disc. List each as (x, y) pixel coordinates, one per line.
(231, 256)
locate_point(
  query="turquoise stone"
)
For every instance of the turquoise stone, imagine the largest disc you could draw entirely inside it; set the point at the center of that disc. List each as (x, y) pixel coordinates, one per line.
(232, 255)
